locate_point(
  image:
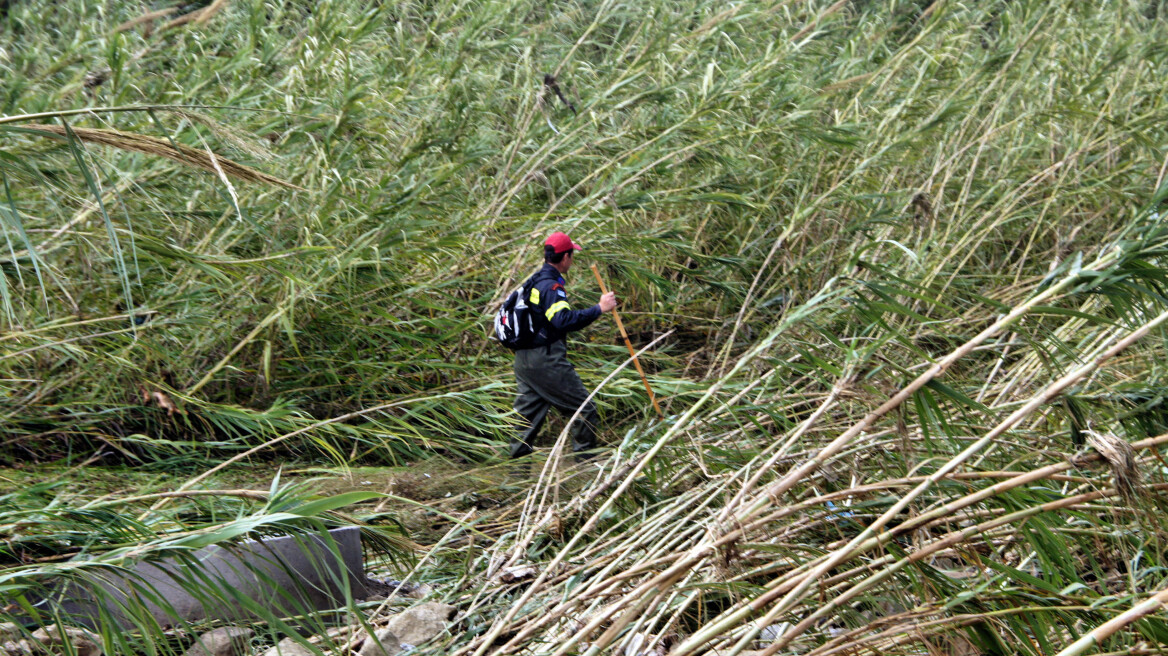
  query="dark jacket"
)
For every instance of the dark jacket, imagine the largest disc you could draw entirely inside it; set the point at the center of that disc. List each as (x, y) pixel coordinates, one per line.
(554, 318)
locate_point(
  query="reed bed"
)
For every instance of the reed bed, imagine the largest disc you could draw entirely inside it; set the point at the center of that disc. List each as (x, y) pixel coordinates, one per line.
(902, 267)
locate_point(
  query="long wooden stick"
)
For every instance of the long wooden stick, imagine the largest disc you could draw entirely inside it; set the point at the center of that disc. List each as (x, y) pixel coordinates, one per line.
(636, 363)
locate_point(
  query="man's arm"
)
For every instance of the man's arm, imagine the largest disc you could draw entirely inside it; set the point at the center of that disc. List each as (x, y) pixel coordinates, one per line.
(561, 315)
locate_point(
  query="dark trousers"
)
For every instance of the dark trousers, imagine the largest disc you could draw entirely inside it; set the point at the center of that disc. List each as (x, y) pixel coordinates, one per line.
(546, 379)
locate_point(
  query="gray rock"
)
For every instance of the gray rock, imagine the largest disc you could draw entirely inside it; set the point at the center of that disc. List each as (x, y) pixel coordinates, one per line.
(421, 623)
(16, 648)
(383, 643)
(9, 631)
(288, 575)
(224, 641)
(84, 643)
(289, 647)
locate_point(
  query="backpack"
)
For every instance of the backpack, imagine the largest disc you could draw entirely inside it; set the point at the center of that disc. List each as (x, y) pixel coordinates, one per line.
(514, 325)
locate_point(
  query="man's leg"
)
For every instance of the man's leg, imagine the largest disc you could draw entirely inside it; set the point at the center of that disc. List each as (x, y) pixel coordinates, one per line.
(566, 391)
(533, 408)
(573, 395)
(547, 373)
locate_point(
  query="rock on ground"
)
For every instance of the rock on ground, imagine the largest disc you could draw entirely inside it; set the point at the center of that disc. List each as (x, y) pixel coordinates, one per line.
(518, 573)
(383, 643)
(16, 648)
(224, 641)
(289, 647)
(11, 641)
(84, 643)
(421, 623)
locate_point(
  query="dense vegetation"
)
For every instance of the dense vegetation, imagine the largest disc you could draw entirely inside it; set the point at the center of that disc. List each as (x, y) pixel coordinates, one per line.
(901, 264)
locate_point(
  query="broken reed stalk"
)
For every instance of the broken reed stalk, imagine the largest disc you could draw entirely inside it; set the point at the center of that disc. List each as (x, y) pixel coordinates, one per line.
(605, 577)
(531, 508)
(784, 484)
(121, 109)
(934, 546)
(851, 550)
(1052, 390)
(484, 643)
(704, 550)
(1104, 631)
(148, 17)
(620, 325)
(141, 143)
(932, 518)
(198, 16)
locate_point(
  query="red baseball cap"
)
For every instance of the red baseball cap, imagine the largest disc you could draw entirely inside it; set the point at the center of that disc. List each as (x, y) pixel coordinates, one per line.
(561, 242)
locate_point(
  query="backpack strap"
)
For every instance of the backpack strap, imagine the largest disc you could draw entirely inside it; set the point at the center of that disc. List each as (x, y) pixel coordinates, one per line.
(526, 289)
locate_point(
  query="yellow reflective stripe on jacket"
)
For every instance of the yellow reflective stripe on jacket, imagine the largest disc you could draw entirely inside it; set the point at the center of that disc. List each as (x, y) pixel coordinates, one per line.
(556, 307)
(535, 296)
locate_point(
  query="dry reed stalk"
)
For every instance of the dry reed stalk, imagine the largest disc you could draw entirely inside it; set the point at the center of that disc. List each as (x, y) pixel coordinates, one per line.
(775, 490)
(909, 630)
(608, 576)
(950, 540)
(1016, 480)
(210, 11)
(937, 516)
(796, 594)
(815, 22)
(141, 143)
(701, 552)
(486, 642)
(258, 495)
(835, 86)
(933, 547)
(1104, 631)
(148, 17)
(1120, 457)
(531, 507)
(942, 543)
(663, 551)
(198, 16)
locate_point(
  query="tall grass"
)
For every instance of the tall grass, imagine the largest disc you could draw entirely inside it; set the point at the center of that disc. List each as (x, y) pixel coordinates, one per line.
(911, 254)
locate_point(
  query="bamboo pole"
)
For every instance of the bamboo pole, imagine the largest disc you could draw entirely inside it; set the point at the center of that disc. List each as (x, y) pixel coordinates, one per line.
(625, 335)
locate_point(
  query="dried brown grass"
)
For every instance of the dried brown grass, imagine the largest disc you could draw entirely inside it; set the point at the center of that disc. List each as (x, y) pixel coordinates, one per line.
(141, 143)
(147, 18)
(198, 17)
(1120, 457)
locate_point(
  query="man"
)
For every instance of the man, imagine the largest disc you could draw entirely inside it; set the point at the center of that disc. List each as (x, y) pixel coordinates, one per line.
(545, 376)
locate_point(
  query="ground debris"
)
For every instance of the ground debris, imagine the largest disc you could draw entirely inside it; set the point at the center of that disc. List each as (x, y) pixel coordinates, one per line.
(84, 643)
(289, 647)
(224, 641)
(421, 623)
(518, 573)
(382, 643)
(379, 589)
